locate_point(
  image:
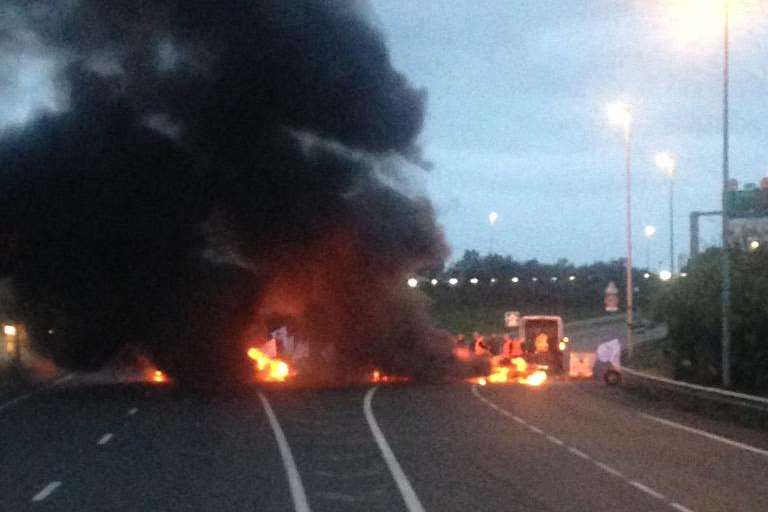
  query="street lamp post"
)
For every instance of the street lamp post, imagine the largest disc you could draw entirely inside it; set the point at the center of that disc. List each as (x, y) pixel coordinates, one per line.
(667, 163)
(649, 232)
(620, 115)
(725, 263)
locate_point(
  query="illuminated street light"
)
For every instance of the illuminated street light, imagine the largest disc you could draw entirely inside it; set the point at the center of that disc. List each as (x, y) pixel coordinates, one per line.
(474, 280)
(683, 274)
(553, 278)
(646, 275)
(649, 231)
(665, 275)
(9, 330)
(754, 245)
(413, 282)
(535, 279)
(493, 280)
(434, 282)
(619, 114)
(572, 278)
(515, 279)
(453, 281)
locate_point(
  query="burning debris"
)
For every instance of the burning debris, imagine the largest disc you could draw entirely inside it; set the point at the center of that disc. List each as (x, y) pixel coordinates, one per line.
(207, 167)
(515, 370)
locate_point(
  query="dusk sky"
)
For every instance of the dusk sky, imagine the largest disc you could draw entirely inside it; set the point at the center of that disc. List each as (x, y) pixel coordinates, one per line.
(516, 123)
(517, 117)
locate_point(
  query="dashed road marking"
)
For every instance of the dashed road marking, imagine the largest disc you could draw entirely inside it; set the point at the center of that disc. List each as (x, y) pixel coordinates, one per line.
(553, 439)
(46, 491)
(706, 434)
(63, 379)
(132, 411)
(605, 467)
(412, 502)
(647, 490)
(579, 453)
(300, 503)
(104, 439)
(11, 403)
(608, 469)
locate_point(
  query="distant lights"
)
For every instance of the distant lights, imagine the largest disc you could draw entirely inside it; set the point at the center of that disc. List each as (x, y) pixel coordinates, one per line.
(646, 275)
(413, 282)
(474, 280)
(434, 282)
(572, 278)
(665, 275)
(754, 245)
(9, 330)
(493, 280)
(683, 274)
(453, 281)
(534, 279)
(553, 278)
(515, 279)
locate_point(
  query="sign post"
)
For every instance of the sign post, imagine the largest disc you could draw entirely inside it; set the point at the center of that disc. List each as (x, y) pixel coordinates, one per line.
(611, 298)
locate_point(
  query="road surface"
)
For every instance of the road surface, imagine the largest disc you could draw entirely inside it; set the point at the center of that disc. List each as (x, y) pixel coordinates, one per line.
(568, 446)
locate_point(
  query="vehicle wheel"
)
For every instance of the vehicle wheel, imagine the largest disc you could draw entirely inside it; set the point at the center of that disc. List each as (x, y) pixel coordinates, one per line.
(612, 377)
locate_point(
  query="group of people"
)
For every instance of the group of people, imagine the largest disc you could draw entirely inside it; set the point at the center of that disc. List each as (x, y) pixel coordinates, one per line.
(510, 345)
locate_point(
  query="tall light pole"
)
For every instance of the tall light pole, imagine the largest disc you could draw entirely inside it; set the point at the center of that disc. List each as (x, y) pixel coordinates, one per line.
(649, 232)
(725, 263)
(666, 162)
(620, 115)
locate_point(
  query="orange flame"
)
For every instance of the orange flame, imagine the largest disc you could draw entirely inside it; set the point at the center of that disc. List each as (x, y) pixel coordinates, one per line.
(269, 369)
(516, 371)
(535, 379)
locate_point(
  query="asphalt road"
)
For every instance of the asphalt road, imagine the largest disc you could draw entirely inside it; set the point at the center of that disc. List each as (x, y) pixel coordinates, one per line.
(568, 446)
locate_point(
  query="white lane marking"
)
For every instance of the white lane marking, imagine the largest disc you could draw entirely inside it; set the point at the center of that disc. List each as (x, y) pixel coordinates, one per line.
(535, 429)
(46, 491)
(14, 401)
(608, 469)
(412, 502)
(63, 379)
(132, 411)
(579, 453)
(605, 467)
(553, 439)
(104, 439)
(708, 435)
(300, 503)
(647, 490)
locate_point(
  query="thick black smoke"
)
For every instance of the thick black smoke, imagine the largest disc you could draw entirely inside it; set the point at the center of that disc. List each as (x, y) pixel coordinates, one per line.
(214, 165)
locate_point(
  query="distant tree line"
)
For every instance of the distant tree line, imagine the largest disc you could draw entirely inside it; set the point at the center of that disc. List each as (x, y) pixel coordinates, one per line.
(531, 287)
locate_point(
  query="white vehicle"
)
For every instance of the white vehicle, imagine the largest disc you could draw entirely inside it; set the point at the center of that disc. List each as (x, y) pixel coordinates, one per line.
(551, 327)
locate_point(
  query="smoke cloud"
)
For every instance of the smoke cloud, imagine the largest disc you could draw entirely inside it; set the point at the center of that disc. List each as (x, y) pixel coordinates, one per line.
(213, 168)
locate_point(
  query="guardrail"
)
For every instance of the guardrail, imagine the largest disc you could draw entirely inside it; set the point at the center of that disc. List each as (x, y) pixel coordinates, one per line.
(721, 395)
(576, 324)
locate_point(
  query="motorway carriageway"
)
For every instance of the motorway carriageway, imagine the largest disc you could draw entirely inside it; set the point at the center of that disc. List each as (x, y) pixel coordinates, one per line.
(567, 446)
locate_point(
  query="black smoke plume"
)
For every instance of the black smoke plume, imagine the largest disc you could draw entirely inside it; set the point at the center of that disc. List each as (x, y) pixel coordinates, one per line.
(214, 166)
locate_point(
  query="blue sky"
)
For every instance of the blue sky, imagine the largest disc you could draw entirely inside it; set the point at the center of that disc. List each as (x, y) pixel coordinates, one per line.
(516, 118)
(517, 124)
